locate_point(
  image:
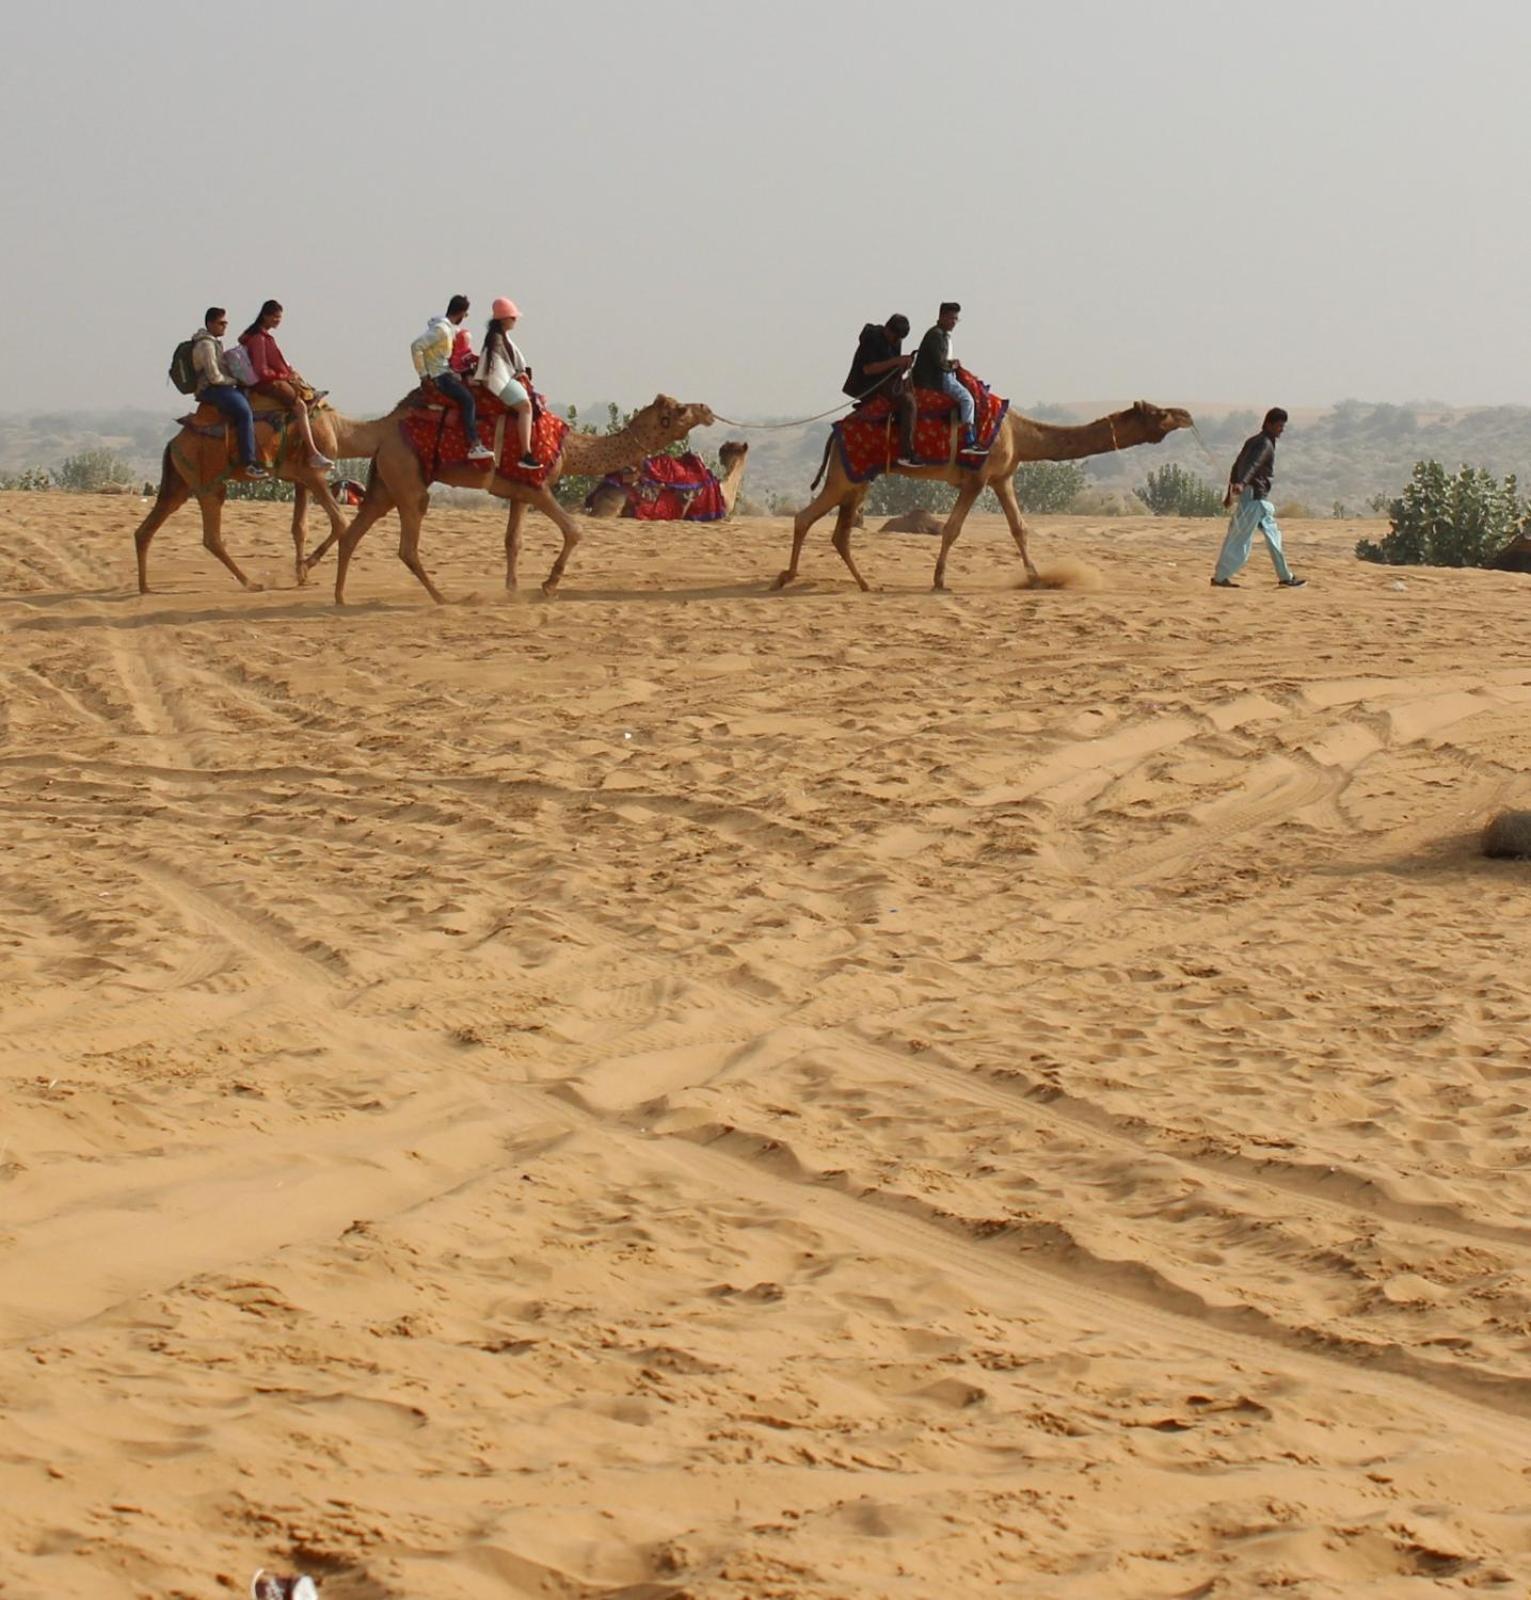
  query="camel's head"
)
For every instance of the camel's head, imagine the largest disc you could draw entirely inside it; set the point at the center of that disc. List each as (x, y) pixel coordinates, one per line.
(1161, 420)
(674, 419)
(730, 451)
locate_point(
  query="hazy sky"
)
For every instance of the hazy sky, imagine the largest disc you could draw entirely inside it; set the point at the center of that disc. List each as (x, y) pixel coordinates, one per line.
(1199, 200)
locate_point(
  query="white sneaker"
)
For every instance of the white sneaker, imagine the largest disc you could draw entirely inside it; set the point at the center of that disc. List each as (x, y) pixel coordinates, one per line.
(479, 453)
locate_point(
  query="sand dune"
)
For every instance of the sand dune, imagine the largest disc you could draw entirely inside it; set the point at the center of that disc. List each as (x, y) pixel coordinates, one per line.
(690, 1091)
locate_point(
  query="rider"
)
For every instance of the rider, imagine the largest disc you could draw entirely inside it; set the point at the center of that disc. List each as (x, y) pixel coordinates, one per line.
(274, 377)
(878, 355)
(216, 384)
(502, 369)
(935, 367)
(432, 356)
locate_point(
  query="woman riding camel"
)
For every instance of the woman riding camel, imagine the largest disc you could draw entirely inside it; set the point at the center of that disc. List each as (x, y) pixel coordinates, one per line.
(274, 377)
(502, 369)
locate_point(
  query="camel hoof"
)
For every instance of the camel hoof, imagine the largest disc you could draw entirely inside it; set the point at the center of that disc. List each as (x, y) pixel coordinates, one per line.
(256, 588)
(550, 591)
(782, 580)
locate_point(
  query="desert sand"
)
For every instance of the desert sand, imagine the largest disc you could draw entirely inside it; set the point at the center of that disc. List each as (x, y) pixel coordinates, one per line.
(689, 1091)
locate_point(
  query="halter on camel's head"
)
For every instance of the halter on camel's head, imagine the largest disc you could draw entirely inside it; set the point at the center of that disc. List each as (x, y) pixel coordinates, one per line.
(676, 416)
(1161, 420)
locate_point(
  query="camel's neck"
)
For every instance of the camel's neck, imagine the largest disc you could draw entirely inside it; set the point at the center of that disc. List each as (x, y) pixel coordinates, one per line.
(728, 486)
(1048, 441)
(353, 437)
(595, 454)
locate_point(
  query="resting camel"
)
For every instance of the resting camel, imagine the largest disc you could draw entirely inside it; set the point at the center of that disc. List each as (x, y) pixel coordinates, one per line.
(1020, 439)
(202, 464)
(610, 499)
(398, 480)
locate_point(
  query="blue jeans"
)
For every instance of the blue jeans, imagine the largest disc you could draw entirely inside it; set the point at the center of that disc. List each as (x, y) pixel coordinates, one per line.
(1251, 515)
(453, 387)
(954, 387)
(232, 403)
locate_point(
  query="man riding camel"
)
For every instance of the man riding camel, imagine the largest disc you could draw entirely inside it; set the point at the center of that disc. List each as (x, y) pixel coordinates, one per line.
(878, 367)
(935, 367)
(432, 356)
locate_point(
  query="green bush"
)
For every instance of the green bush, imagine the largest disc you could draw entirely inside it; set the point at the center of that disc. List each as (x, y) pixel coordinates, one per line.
(1048, 487)
(1445, 521)
(1174, 492)
(31, 478)
(892, 495)
(94, 469)
(261, 489)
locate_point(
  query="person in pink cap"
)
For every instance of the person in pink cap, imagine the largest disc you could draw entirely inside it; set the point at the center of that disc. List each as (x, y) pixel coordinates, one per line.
(503, 371)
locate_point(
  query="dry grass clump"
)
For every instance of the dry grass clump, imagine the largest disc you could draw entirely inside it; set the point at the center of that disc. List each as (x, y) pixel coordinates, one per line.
(1508, 836)
(913, 522)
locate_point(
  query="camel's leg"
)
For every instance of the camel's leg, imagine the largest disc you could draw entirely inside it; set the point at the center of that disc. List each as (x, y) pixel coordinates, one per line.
(513, 540)
(801, 523)
(841, 539)
(972, 486)
(374, 508)
(377, 499)
(411, 516)
(299, 533)
(1004, 490)
(543, 500)
(211, 503)
(173, 494)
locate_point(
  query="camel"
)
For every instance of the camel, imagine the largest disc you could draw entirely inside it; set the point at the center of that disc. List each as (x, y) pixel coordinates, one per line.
(610, 499)
(398, 480)
(201, 464)
(1019, 439)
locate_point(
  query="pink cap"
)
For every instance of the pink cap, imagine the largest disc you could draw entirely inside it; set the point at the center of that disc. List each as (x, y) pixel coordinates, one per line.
(504, 308)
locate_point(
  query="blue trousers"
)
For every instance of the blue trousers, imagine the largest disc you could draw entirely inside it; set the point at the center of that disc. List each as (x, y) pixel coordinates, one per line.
(953, 386)
(450, 384)
(232, 403)
(1251, 515)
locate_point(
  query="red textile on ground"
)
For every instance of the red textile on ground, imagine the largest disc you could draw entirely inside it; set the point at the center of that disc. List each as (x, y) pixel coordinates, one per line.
(438, 438)
(675, 489)
(868, 437)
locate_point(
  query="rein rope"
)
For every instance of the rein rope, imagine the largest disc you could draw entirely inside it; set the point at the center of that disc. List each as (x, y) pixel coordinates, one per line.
(844, 405)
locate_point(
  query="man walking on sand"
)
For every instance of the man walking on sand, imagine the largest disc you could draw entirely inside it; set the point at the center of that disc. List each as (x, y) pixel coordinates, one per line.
(1250, 485)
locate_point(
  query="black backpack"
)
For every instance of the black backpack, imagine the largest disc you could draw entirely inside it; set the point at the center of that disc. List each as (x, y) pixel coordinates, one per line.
(183, 370)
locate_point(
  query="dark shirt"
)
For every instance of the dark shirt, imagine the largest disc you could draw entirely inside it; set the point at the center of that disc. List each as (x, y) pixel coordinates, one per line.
(1256, 465)
(931, 362)
(876, 344)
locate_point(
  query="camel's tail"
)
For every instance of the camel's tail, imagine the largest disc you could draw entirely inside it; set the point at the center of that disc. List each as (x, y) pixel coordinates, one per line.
(167, 476)
(824, 464)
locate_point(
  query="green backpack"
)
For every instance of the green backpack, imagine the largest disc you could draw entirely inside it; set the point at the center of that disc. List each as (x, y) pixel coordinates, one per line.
(183, 370)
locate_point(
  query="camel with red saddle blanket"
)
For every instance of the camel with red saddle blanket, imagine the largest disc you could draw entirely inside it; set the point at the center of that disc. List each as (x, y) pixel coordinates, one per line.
(1012, 440)
(662, 489)
(202, 461)
(426, 445)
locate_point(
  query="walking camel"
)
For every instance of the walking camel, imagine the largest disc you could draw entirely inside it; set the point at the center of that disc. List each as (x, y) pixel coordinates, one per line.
(399, 481)
(1020, 439)
(200, 461)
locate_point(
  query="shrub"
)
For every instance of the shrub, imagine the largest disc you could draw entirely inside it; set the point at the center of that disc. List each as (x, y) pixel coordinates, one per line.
(30, 478)
(94, 469)
(1099, 501)
(892, 495)
(1445, 521)
(1294, 509)
(1049, 486)
(261, 489)
(1174, 492)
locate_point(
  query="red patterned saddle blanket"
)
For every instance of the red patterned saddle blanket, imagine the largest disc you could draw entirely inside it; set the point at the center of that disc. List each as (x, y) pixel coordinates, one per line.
(868, 437)
(670, 489)
(435, 432)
